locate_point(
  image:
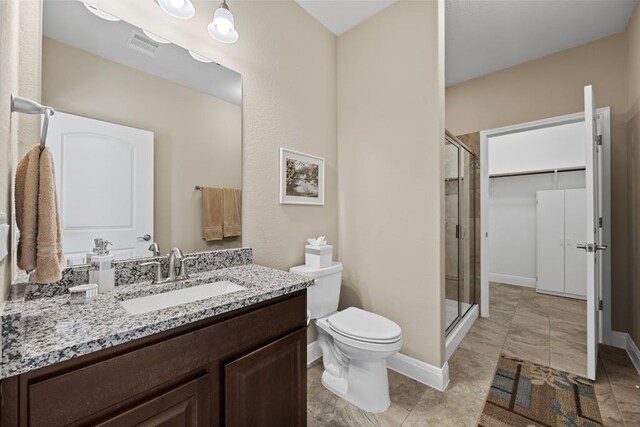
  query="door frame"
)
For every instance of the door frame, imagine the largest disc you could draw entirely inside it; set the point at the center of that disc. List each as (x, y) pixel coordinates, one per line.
(604, 129)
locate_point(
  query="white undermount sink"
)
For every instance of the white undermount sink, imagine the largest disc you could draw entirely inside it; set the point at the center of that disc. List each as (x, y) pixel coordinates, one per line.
(155, 302)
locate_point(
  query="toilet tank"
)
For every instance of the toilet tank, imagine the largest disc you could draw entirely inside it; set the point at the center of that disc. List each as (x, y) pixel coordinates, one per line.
(323, 296)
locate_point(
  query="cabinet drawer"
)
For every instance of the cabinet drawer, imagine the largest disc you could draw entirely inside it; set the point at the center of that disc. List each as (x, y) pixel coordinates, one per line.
(102, 386)
(186, 405)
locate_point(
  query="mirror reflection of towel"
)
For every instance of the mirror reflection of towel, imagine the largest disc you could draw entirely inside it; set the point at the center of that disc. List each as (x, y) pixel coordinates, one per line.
(212, 213)
(232, 224)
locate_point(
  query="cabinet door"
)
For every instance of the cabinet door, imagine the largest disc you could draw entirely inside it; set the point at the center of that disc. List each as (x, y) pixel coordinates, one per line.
(268, 386)
(575, 224)
(186, 405)
(550, 240)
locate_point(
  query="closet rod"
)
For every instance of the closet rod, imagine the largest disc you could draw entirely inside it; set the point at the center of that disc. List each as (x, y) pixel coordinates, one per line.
(507, 175)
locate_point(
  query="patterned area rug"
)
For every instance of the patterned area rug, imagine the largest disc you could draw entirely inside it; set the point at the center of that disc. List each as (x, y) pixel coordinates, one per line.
(527, 394)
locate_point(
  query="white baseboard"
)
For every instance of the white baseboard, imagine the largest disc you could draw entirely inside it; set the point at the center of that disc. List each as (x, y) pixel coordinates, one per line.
(529, 282)
(617, 339)
(314, 352)
(430, 375)
(624, 341)
(437, 378)
(455, 337)
(634, 353)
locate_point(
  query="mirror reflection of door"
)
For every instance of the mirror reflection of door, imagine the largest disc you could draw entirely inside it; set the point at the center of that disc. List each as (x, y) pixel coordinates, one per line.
(104, 178)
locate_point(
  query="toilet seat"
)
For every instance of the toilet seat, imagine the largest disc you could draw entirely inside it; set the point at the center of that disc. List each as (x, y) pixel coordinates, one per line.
(361, 325)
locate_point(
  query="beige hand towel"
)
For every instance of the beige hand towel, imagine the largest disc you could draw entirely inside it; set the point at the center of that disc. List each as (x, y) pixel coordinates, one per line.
(232, 226)
(212, 213)
(49, 257)
(26, 194)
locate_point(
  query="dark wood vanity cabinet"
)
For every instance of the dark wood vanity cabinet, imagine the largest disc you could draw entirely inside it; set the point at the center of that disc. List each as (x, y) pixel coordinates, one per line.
(268, 384)
(243, 368)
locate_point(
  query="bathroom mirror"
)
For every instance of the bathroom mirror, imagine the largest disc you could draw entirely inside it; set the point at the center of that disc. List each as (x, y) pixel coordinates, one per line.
(140, 124)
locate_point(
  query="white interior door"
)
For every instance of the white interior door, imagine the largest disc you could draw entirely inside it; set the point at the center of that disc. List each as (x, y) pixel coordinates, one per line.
(593, 244)
(104, 178)
(575, 223)
(550, 240)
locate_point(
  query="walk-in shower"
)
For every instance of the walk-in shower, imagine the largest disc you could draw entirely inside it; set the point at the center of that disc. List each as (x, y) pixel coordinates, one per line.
(461, 195)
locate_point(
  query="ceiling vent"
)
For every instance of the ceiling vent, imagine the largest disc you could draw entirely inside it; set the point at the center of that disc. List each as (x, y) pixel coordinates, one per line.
(143, 44)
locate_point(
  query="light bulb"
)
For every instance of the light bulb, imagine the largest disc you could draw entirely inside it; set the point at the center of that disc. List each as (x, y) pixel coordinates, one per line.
(101, 13)
(223, 28)
(156, 37)
(200, 58)
(181, 9)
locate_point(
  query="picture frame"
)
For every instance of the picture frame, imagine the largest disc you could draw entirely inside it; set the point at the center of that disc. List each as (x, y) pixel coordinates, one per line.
(301, 178)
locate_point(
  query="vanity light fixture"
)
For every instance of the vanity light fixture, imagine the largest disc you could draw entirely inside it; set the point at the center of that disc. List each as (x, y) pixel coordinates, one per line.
(222, 27)
(101, 13)
(181, 9)
(155, 37)
(200, 58)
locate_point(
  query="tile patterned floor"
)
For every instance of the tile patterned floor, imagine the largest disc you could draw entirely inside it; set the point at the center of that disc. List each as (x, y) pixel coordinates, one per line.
(544, 329)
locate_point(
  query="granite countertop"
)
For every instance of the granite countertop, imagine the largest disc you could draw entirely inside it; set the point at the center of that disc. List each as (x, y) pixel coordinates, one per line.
(44, 331)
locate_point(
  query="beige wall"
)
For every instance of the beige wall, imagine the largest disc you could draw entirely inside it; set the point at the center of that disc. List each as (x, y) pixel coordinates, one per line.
(19, 75)
(633, 140)
(191, 146)
(553, 86)
(390, 143)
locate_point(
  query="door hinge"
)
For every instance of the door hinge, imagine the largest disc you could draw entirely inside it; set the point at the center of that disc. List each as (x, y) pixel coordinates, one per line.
(599, 139)
(600, 222)
(457, 231)
(600, 305)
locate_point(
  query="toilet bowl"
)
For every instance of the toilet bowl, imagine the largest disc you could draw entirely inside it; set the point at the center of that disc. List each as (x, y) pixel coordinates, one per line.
(355, 343)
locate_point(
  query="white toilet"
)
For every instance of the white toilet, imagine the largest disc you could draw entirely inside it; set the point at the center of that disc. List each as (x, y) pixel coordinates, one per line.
(355, 343)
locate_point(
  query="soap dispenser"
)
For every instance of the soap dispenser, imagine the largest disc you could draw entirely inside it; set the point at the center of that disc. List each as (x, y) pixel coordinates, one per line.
(97, 245)
(102, 270)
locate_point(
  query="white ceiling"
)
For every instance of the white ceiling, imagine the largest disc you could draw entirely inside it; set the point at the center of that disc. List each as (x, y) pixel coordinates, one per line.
(340, 16)
(483, 36)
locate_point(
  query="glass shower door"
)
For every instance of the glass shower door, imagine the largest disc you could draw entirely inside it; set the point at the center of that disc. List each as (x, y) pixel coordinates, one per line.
(466, 235)
(461, 193)
(452, 193)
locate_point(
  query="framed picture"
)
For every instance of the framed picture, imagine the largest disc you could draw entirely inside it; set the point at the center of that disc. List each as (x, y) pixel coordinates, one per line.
(301, 178)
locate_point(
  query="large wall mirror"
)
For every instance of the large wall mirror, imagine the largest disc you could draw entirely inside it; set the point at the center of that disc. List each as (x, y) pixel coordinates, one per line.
(141, 123)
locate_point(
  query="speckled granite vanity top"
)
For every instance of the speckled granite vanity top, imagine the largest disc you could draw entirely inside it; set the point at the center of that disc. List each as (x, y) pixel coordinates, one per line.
(42, 331)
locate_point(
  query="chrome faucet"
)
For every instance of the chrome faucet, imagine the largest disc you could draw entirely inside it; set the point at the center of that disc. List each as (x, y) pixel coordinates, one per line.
(175, 255)
(155, 249)
(177, 267)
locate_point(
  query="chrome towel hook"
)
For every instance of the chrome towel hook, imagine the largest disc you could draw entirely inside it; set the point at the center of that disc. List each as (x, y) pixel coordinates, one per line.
(29, 106)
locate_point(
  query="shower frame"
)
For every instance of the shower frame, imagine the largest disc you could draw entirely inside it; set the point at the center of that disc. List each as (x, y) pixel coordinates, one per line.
(460, 234)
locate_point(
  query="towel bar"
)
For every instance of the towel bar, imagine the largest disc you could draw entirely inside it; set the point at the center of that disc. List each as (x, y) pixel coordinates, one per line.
(29, 106)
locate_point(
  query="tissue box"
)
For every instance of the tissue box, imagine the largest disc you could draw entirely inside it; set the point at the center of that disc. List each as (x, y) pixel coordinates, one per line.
(318, 256)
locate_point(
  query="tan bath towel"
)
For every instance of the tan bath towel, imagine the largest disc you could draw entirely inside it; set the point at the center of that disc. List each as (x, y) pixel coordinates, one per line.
(232, 226)
(49, 257)
(212, 213)
(26, 194)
